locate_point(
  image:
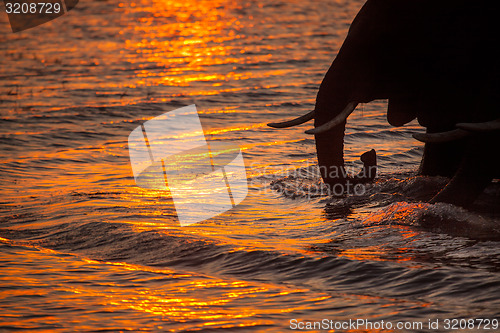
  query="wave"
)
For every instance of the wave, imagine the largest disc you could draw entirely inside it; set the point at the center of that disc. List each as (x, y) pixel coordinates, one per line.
(174, 249)
(400, 199)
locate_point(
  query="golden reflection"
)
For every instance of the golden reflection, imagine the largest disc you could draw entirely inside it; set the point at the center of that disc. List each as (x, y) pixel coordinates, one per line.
(377, 253)
(232, 129)
(194, 35)
(386, 251)
(174, 296)
(176, 44)
(396, 212)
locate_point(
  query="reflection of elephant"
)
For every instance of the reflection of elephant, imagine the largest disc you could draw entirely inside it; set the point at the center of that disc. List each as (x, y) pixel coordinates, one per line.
(435, 60)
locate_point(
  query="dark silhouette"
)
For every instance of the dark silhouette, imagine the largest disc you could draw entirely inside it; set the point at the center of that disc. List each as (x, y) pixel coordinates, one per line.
(436, 61)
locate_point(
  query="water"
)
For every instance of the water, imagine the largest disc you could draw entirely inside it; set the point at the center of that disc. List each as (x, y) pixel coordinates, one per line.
(84, 249)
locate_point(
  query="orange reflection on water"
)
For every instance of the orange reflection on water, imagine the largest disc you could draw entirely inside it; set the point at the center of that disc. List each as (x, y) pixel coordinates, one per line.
(105, 288)
(377, 253)
(386, 251)
(194, 35)
(401, 212)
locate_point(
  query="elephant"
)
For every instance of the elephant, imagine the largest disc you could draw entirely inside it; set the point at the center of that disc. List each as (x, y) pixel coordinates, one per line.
(433, 60)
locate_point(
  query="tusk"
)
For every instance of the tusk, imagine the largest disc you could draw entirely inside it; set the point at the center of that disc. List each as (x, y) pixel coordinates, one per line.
(488, 126)
(335, 121)
(294, 122)
(442, 136)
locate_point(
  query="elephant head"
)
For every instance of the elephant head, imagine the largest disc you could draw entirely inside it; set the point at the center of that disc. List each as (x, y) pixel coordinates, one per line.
(436, 61)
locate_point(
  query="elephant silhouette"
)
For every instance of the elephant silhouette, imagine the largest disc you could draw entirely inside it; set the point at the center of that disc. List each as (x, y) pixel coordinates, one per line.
(436, 61)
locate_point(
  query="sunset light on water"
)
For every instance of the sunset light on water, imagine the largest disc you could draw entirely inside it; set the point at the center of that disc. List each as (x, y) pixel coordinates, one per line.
(83, 248)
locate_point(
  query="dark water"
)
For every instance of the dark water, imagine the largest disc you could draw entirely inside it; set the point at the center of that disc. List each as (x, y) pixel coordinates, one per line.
(83, 249)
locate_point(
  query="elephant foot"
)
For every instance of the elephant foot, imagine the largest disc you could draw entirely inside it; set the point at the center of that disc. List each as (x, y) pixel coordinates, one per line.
(442, 159)
(475, 173)
(462, 191)
(476, 168)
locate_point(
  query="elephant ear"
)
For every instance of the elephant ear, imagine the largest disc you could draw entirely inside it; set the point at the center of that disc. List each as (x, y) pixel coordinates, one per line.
(401, 111)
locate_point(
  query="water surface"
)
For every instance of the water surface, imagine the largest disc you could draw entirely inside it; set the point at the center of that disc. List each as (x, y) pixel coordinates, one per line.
(84, 249)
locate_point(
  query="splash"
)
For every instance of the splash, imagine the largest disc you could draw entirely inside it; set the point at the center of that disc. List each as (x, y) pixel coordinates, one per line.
(439, 217)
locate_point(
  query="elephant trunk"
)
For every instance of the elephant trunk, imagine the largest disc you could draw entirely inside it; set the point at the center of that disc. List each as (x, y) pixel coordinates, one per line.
(337, 97)
(329, 147)
(333, 97)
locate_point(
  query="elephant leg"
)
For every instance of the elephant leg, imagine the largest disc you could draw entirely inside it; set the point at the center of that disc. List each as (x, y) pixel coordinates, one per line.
(442, 159)
(477, 169)
(401, 111)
